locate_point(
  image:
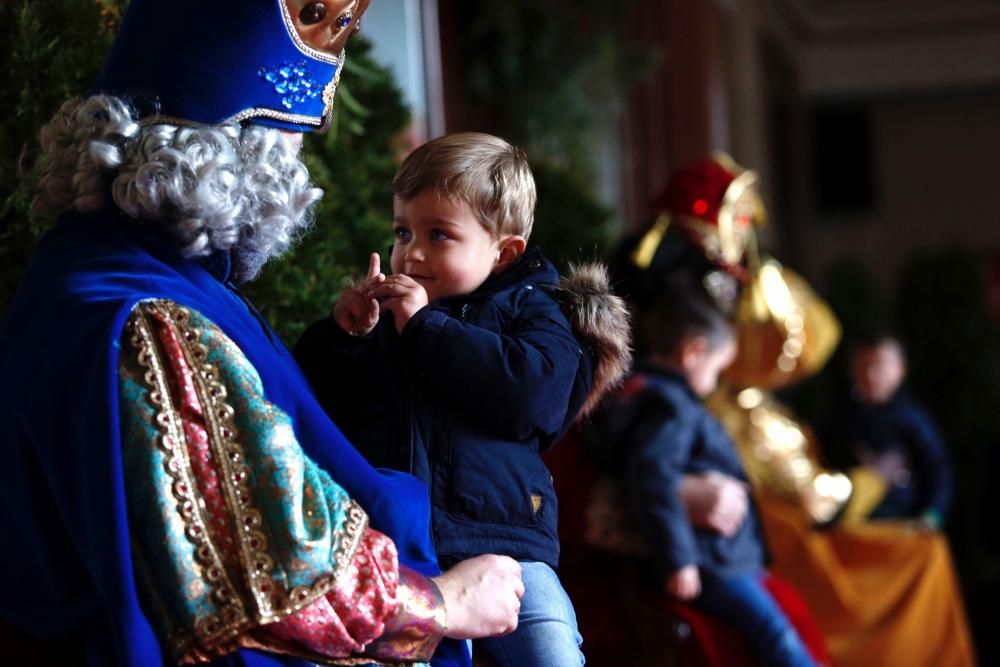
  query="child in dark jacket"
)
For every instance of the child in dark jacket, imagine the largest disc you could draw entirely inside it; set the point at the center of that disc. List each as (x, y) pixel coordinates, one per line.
(668, 433)
(467, 362)
(880, 425)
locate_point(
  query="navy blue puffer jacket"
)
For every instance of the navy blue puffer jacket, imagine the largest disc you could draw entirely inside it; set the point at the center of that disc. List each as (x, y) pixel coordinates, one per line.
(466, 399)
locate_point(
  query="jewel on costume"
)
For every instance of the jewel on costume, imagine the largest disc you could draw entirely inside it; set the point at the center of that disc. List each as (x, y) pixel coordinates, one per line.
(293, 81)
(312, 13)
(345, 19)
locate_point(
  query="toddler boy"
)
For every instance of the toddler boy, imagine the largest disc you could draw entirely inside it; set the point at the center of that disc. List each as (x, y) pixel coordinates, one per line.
(467, 362)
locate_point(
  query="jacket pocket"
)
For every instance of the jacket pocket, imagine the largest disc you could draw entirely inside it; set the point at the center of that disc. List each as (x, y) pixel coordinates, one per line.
(500, 483)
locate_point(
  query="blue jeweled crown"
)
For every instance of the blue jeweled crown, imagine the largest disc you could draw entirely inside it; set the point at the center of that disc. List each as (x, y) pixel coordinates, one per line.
(207, 62)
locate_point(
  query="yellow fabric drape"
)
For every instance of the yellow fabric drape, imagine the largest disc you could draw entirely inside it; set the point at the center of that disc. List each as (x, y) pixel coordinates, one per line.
(883, 593)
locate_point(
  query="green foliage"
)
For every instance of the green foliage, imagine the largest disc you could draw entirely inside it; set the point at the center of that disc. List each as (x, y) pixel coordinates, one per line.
(53, 51)
(552, 71)
(549, 105)
(552, 75)
(56, 49)
(570, 225)
(354, 165)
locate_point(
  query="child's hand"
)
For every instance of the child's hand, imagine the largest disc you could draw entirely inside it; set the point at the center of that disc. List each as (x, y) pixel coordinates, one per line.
(402, 296)
(356, 311)
(685, 583)
(715, 501)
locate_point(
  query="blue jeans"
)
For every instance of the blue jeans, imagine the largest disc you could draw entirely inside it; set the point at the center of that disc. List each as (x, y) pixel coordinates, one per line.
(744, 603)
(547, 634)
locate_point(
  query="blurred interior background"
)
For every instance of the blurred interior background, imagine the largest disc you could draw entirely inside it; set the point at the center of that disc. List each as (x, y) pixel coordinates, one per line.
(874, 126)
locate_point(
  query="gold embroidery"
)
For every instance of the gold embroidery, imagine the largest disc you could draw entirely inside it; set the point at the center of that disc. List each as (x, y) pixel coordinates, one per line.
(229, 629)
(232, 618)
(229, 456)
(536, 504)
(354, 529)
(273, 602)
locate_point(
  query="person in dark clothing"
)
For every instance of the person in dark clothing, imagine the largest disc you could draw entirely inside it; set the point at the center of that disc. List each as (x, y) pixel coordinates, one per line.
(670, 434)
(469, 361)
(880, 425)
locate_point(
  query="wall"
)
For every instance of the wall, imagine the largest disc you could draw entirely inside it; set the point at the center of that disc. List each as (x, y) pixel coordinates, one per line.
(937, 186)
(931, 81)
(405, 39)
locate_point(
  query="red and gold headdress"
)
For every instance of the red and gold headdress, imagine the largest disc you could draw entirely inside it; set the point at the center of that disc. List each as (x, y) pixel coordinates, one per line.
(716, 203)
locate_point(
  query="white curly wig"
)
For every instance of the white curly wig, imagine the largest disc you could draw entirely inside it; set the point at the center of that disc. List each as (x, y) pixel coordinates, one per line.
(243, 190)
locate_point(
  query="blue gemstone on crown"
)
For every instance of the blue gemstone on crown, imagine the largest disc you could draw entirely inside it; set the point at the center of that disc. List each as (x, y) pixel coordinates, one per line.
(292, 81)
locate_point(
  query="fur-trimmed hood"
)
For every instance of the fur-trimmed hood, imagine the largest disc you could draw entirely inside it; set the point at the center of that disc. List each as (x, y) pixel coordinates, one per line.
(601, 320)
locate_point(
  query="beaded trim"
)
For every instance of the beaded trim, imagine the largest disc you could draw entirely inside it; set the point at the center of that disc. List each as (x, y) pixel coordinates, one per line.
(354, 529)
(232, 618)
(229, 456)
(330, 92)
(303, 596)
(247, 114)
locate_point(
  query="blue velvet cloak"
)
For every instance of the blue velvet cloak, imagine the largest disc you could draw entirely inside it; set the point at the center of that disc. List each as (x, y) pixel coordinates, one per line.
(68, 573)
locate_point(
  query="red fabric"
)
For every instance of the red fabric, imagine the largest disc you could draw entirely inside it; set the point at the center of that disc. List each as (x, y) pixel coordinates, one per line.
(696, 190)
(798, 613)
(715, 644)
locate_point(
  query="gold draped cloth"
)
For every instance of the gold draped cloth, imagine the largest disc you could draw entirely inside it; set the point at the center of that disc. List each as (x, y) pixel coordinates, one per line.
(882, 593)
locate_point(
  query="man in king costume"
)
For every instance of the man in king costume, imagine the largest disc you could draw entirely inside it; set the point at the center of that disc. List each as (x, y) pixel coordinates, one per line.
(172, 492)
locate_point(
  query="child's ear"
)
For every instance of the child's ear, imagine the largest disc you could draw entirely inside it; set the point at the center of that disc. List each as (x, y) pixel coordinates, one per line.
(693, 350)
(510, 249)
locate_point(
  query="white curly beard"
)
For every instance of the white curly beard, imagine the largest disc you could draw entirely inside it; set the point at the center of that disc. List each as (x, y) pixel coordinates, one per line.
(242, 190)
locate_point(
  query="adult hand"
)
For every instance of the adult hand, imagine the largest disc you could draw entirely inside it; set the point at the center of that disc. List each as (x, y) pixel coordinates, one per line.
(715, 501)
(402, 296)
(685, 583)
(482, 596)
(356, 311)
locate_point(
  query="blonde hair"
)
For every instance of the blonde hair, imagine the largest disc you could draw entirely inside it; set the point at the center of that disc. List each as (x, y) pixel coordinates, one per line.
(488, 174)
